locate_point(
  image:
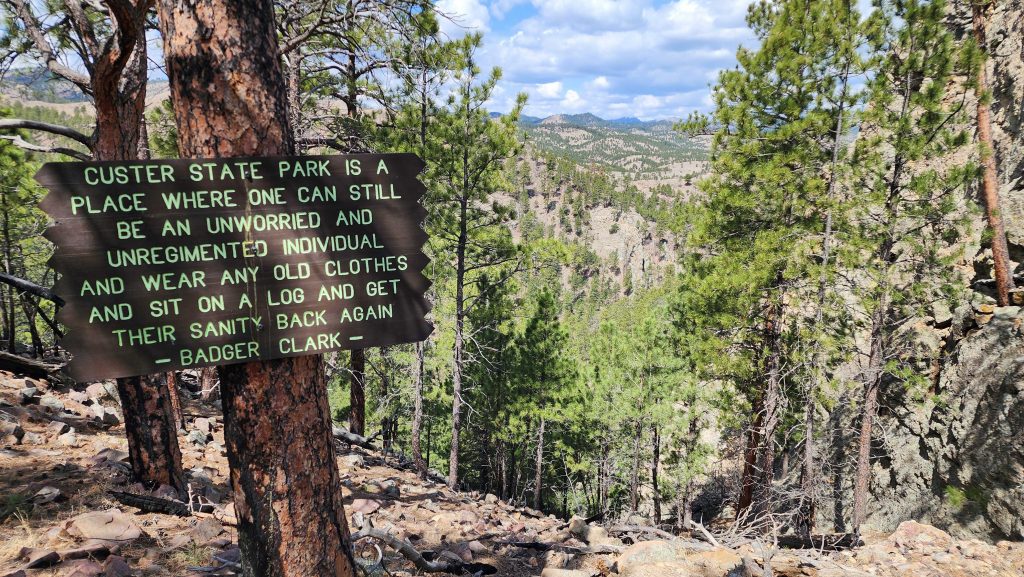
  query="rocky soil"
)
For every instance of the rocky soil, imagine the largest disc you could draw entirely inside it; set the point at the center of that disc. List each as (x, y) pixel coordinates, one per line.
(63, 453)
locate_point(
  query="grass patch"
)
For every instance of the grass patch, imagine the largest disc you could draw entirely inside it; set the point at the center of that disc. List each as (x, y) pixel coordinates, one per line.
(14, 504)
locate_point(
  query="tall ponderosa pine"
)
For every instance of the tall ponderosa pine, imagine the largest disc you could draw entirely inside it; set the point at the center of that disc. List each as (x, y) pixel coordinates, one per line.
(777, 114)
(468, 165)
(905, 199)
(544, 372)
(277, 426)
(110, 42)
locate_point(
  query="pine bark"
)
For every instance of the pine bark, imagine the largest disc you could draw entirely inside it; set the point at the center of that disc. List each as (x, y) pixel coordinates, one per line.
(989, 176)
(152, 437)
(230, 100)
(357, 392)
(119, 92)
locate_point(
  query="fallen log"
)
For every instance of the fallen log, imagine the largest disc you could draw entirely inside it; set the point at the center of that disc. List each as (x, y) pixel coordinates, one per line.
(152, 504)
(542, 546)
(406, 549)
(353, 439)
(830, 542)
(642, 529)
(31, 288)
(29, 367)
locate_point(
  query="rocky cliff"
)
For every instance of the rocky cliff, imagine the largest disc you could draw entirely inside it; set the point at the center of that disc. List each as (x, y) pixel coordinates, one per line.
(957, 461)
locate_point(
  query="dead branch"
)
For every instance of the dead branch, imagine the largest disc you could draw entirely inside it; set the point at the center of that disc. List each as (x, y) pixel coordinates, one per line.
(26, 145)
(30, 287)
(59, 130)
(409, 552)
(542, 546)
(705, 533)
(642, 529)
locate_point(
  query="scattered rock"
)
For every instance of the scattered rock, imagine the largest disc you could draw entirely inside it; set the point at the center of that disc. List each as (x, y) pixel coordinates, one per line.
(352, 461)
(29, 396)
(58, 427)
(46, 495)
(83, 568)
(665, 558)
(31, 438)
(13, 429)
(52, 403)
(917, 535)
(116, 566)
(206, 530)
(96, 391)
(69, 439)
(109, 525)
(364, 506)
(39, 558)
(197, 437)
(78, 396)
(202, 424)
(553, 572)
(95, 550)
(490, 499)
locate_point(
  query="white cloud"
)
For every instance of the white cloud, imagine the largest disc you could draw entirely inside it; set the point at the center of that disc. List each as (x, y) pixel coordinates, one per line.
(572, 101)
(463, 16)
(550, 89)
(611, 53)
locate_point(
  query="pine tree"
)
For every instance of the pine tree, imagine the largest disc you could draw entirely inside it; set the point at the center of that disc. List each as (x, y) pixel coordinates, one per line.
(469, 164)
(777, 114)
(905, 203)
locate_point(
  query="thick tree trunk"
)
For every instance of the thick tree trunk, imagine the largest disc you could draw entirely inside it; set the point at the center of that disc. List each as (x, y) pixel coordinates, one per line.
(120, 98)
(417, 412)
(990, 176)
(357, 392)
(538, 473)
(229, 100)
(748, 477)
(152, 439)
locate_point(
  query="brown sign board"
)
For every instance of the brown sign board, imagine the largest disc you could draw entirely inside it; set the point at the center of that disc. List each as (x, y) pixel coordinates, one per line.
(187, 263)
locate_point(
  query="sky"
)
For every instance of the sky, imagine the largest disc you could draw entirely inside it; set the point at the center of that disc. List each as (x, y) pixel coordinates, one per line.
(633, 58)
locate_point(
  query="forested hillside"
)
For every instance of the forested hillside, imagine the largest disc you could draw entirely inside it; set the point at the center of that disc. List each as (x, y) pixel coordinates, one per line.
(790, 320)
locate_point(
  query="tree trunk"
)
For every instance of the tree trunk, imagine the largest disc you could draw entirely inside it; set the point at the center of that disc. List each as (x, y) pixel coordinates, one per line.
(862, 482)
(120, 98)
(357, 392)
(748, 476)
(634, 474)
(229, 100)
(538, 472)
(765, 473)
(209, 389)
(990, 176)
(417, 412)
(460, 319)
(174, 396)
(655, 463)
(152, 439)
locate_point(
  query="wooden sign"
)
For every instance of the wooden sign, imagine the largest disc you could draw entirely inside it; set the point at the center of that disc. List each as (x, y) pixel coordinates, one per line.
(174, 264)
